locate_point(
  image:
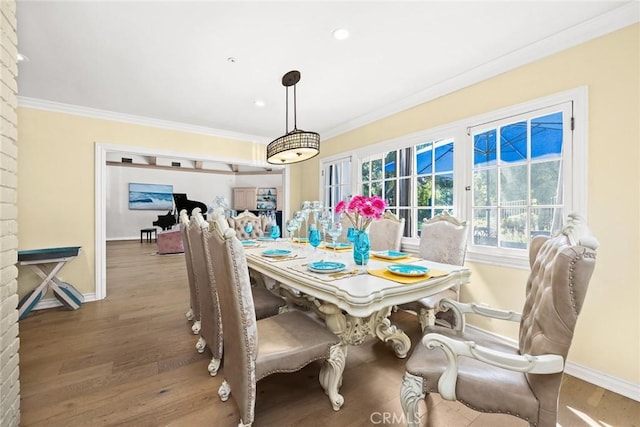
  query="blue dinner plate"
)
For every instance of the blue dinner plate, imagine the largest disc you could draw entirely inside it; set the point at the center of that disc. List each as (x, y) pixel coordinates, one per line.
(248, 242)
(339, 245)
(265, 239)
(276, 252)
(390, 254)
(407, 270)
(325, 266)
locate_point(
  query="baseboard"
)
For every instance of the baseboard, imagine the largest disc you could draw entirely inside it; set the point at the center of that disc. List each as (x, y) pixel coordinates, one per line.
(592, 376)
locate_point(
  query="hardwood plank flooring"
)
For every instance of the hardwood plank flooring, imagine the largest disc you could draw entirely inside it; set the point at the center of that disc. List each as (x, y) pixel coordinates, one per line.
(130, 360)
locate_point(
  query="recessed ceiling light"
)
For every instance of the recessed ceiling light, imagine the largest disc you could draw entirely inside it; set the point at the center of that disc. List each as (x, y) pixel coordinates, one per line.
(258, 103)
(231, 59)
(20, 57)
(340, 34)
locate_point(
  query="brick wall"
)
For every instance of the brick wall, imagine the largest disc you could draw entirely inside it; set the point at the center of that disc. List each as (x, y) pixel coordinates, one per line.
(9, 385)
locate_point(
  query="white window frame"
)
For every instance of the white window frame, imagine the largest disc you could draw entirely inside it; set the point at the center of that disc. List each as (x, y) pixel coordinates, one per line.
(574, 170)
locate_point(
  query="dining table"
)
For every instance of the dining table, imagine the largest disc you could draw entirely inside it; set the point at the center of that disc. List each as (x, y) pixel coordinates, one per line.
(355, 301)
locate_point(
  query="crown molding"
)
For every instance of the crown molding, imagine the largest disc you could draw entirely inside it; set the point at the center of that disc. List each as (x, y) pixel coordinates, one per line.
(94, 113)
(623, 16)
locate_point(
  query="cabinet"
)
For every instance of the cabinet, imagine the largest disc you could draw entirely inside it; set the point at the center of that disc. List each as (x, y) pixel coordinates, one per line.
(257, 198)
(244, 198)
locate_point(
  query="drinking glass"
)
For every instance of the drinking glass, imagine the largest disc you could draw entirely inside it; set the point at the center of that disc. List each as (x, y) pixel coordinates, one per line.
(335, 230)
(314, 237)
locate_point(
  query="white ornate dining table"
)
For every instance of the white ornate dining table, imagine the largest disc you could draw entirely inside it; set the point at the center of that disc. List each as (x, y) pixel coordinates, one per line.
(357, 304)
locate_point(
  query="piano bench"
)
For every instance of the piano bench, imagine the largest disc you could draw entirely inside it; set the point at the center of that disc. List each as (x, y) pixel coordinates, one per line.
(150, 233)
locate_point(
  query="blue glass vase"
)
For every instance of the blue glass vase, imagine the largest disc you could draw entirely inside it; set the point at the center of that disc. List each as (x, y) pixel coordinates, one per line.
(361, 247)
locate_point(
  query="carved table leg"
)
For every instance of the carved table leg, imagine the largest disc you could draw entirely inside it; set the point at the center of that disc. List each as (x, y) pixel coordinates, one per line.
(388, 332)
(355, 330)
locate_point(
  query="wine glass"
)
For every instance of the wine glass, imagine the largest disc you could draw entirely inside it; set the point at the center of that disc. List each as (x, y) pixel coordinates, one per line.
(248, 228)
(335, 230)
(325, 219)
(274, 232)
(314, 237)
(299, 217)
(292, 225)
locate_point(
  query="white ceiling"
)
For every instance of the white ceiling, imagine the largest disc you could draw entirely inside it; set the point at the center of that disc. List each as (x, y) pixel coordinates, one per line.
(168, 61)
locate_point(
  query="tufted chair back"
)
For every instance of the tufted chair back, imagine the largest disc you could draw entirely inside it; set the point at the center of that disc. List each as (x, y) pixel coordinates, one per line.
(238, 316)
(555, 292)
(237, 223)
(194, 311)
(386, 233)
(444, 239)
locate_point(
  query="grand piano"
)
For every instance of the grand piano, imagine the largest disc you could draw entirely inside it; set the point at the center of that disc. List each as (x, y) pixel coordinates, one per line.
(180, 201)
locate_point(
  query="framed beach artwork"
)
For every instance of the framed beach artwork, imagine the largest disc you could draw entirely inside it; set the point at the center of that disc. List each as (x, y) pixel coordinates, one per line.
(156, 197)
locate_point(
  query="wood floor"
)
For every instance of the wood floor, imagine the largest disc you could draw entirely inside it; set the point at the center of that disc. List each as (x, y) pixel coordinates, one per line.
(130, 360)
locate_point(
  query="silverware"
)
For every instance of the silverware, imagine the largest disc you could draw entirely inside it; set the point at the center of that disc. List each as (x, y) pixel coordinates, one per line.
(343, 274)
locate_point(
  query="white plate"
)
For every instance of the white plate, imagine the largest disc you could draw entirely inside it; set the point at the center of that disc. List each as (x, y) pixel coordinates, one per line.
(276, 252)
(407, 270)
(325, 267)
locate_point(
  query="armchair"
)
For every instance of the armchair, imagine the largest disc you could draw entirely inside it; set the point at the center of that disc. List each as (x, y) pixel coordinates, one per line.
(254, 348)
(488, 375)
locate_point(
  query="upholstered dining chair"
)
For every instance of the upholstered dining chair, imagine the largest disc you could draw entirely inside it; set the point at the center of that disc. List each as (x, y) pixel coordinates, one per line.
(257, 348)
(443, 239)
(238, 223)
(489, 375)
(386, 232)
(194, 304)
(267, 304)
(210, 319)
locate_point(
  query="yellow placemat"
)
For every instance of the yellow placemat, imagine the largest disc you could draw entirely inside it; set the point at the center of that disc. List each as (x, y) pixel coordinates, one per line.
(386, 274)
(406, 260)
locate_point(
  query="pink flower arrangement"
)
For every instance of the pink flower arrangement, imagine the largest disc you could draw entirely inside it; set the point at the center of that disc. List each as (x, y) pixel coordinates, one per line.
(362, 210)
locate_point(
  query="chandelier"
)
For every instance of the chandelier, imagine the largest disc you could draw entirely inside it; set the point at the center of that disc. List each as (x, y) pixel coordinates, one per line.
(297, 145)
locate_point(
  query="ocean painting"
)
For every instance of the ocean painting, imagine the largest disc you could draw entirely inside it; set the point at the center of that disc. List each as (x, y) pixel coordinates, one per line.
(150, 197)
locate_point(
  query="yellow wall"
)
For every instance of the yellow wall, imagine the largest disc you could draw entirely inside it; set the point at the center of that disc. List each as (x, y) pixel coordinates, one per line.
(608, 333)
(56, 180)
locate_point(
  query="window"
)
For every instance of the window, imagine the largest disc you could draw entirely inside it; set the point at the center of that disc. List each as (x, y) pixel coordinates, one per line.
(511, 174)
(518, 183)
(336, 181)
(416, 181)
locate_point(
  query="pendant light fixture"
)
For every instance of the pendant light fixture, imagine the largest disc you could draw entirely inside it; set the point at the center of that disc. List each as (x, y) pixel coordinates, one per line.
(297, 145)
